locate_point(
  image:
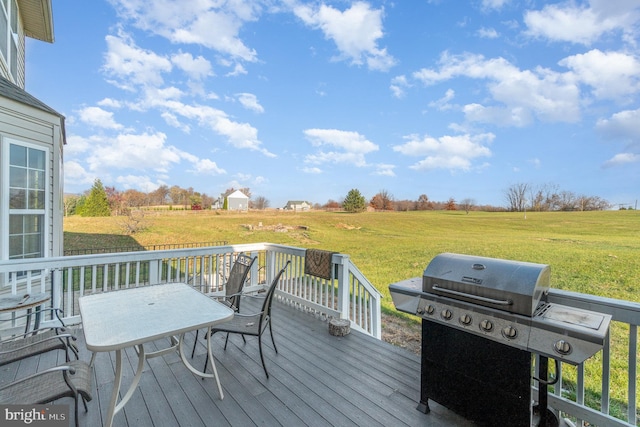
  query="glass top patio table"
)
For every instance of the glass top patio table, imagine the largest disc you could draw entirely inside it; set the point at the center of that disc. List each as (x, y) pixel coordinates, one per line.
(114, 321)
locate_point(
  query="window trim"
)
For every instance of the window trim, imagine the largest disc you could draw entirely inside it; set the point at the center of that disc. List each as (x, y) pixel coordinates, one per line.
(9, 53)
(5, 212)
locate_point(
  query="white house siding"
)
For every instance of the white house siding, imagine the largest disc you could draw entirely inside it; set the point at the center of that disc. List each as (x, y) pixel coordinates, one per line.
(32, 125)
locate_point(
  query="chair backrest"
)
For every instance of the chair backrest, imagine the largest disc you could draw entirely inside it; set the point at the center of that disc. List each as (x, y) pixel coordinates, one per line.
(237, 278)
(266, 305)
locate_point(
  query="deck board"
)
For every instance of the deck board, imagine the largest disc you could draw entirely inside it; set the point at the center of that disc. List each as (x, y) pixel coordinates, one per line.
(316, 380)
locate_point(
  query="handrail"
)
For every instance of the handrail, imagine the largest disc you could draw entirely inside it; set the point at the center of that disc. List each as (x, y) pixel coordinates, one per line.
(205, 268)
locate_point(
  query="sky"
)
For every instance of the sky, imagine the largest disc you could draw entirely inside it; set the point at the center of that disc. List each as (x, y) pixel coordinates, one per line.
(306, 100)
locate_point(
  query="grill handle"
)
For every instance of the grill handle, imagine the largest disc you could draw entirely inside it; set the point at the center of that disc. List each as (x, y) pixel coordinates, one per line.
(475, 297)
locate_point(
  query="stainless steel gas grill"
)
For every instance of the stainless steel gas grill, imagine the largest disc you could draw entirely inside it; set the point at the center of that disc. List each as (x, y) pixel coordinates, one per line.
(482, 320)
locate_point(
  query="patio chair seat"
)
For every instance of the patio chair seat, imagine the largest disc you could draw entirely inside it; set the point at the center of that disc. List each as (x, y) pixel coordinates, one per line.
(233, 287)
(20, 348)
(69, 380)
(253, 324)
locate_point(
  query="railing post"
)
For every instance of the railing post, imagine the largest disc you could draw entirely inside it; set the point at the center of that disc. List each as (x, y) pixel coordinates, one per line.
(343, 286)
(270, 266)
(154, 269)
(56, 288)
(376, 318)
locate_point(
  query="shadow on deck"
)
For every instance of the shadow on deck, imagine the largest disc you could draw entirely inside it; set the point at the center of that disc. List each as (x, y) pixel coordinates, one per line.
(315, 380)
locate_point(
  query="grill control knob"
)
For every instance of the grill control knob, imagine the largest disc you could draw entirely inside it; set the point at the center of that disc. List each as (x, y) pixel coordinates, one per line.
(430, 309)
(446, 314)
(486, 325)
(562, 347)
(465, 319)
(509, 332)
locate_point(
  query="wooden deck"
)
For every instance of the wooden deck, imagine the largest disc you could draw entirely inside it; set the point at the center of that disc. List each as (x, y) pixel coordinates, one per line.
(315, 380)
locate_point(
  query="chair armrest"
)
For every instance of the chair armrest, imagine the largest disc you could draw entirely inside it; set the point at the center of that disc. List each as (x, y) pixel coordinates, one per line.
(56, 329)
(38, 342)
(55, 311)
(62, 368)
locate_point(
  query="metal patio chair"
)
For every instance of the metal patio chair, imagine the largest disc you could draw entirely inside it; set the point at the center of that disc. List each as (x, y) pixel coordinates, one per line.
(233, 286)
(252, 324)
(69, 380)
(38, 341)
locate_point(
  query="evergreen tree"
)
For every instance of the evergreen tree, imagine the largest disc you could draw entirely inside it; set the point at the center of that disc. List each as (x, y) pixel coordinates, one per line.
(354, 202)
(96, 203)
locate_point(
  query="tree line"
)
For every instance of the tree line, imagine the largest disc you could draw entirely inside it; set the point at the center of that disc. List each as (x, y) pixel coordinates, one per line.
(548, 197)
(105, 201)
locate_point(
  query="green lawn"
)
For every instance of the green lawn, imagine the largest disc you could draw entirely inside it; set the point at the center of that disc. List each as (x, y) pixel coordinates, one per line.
(591, 252)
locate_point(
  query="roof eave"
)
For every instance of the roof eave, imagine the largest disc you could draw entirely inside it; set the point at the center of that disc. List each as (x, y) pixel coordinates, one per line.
(37, 18)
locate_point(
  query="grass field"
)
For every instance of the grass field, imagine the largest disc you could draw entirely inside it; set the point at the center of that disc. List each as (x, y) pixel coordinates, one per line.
(591, 252)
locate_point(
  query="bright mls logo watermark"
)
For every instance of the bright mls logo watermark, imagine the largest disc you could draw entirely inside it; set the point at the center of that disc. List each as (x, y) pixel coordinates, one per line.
(34, 415)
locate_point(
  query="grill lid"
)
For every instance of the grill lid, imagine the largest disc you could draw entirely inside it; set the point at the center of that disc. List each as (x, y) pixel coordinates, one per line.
(512, 286)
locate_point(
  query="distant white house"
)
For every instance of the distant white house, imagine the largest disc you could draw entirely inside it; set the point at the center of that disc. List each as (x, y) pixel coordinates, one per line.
(297, 205)
(237, 201)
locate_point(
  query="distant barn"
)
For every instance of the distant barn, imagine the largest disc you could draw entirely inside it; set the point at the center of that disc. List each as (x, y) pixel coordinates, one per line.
(237, 201)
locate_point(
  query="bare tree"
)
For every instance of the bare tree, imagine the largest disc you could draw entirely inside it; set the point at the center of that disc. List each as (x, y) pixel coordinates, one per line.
(516, 196)
(260, 203)
(424, 203)
(467, 204)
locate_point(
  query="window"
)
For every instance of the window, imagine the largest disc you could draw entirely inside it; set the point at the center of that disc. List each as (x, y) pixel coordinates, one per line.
(8, 35)
(26, 190)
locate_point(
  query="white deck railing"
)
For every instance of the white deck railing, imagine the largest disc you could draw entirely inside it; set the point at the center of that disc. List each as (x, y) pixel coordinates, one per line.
(348, 294)
(620, 349)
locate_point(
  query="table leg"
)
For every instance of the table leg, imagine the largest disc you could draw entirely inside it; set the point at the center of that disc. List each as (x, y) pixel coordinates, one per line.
(213, 363)
(197, 372)
(113, 407)
(28, 321)
(36, 326)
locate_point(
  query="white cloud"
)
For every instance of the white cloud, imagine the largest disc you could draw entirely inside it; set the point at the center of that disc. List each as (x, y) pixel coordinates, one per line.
(238, 70)
(197, 68)
(172, 120)
(494, 4)
(355, 32)
(131, 65)
(488, 33)
(446, 152)
(351, 147)
(622, 125)
(239, 135)
(581, 24)
(444, 102)
(384, 170)
(398, 86)
(212, 24)
(76, 145)
(613, 75)
(97, 117)
(622, 159)
(110, 103)
(74, 173)
(138, 182)
(250, 102)
(207, 167)
(519, 95)
(312, 170)
(134, 151)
